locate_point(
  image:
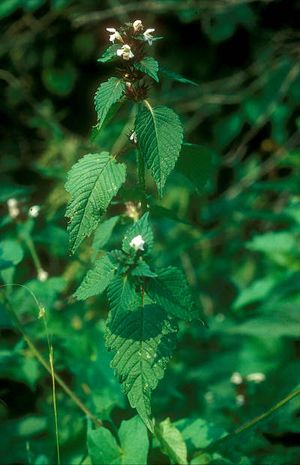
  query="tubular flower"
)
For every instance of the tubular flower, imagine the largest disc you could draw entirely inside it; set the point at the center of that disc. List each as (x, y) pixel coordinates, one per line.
(148, 36)
(137, 25)
(137, 243)
(125, 52)
(114, 34)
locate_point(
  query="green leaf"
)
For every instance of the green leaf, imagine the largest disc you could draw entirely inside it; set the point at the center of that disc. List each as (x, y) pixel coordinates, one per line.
(103, 448)
(92, 183)
(140, 227)
(103, 233)
(11, 253)
(96, 279)
(143, 340)
(159, 132)
(109, 54)
(171, 291)
(176, 77)
(108, 93)
(143, 269)
(172, 442)
(122, 295)
(134, 442)
(195, 162)
(149, 66)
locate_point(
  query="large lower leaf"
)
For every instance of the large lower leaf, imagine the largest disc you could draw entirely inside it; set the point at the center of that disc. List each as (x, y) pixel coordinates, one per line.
(143, 340)
(108, 93)
(92, 183)
(97, 279)
(159, 133)
(171, 291)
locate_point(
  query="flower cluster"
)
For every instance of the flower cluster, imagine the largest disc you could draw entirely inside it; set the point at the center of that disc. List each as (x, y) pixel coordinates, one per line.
(137, 29)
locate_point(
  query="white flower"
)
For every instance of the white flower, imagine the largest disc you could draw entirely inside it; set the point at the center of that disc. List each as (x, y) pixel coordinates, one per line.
(114, 34)
(256, 377)
(236, 378)
(137, 243)
(11, 203)
(125, 52)
(148, 36)
(13, 209)
(240, 399)
(42, 275)
(133, 137)
(137, 25)
(34, 211)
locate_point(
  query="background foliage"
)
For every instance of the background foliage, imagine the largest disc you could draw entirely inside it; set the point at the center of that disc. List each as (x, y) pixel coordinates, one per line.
(235, 236)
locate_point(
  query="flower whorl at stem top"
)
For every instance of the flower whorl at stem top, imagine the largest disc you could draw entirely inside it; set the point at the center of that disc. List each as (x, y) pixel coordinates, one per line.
(137, 243)
(125, 52)
(114, 34)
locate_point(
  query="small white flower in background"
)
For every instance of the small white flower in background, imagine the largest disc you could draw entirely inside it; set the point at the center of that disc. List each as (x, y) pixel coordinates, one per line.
(11, 203)
(114, 35)
(125, 52)
(42, 275)
(137, 25)
(148, 36)
(13, 209)
(34, 211)
(137, 243)
(240, 399)
(209, 397)
(133, 137)
(256, 377)
(236, 378)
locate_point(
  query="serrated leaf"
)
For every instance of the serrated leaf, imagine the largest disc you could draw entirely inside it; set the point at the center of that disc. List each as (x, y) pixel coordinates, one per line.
(108, 93)
(176, 77)
(196, 163)
(92, 183)
(143, 269)
(148, 65)
(171, 291)
(172, 442)
(143, 340)
(159, 133)
(109, 54)
(122, 295)
(97, 279)
(141, 227)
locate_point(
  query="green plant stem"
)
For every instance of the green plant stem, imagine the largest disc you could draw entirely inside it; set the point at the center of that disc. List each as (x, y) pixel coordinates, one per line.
(251, 423)
(31, 247)
(141, 180)
(50, 370)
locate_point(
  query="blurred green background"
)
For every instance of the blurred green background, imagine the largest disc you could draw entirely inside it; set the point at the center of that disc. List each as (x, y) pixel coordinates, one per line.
(237, 237)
